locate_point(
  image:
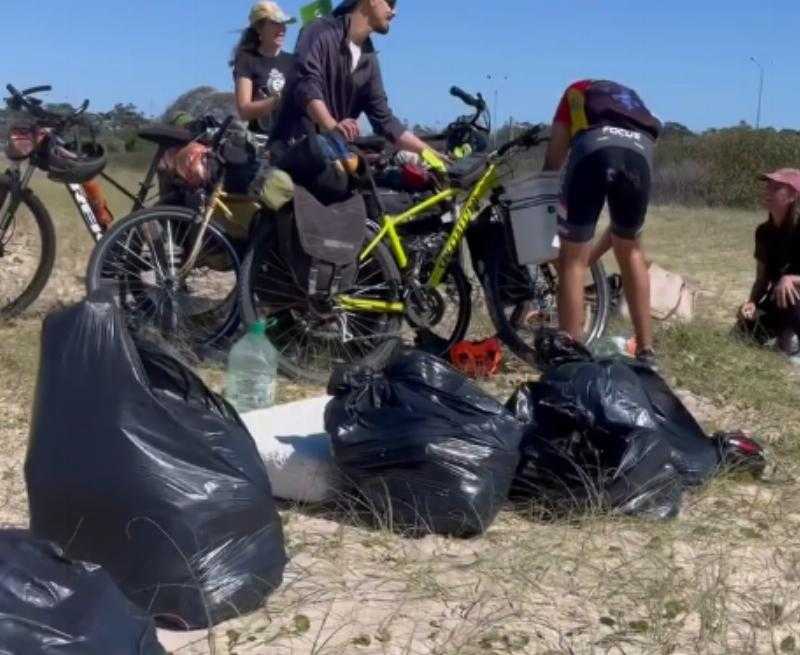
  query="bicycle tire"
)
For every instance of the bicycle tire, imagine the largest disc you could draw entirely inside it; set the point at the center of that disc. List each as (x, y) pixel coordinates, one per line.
(262, 254)
(99, 271)
(509, 332)
(47, 255)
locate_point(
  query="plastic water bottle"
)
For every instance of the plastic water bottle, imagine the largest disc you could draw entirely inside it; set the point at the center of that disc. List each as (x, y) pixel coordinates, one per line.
(611, 347)
(252, 376)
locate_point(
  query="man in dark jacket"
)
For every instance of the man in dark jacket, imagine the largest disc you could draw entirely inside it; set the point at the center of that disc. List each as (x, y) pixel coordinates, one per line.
(339, 76)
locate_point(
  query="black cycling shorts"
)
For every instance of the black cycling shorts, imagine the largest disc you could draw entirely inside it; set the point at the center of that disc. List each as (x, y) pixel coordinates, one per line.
(606, 164)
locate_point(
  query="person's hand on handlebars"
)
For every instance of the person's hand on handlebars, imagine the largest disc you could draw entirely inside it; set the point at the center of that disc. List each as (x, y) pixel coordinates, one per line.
(349, 129)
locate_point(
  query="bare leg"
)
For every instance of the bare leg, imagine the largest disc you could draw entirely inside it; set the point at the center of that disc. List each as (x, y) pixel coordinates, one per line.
(601, 247)
(573, 264)
(636, 284)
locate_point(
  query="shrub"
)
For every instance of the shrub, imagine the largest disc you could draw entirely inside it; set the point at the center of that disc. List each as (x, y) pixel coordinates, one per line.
(720, 167)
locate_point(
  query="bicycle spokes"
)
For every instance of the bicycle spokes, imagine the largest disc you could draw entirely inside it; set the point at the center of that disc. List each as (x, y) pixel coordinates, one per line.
(145, 266)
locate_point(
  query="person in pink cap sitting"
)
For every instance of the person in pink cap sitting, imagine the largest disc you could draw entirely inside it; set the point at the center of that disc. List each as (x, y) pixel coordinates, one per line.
(773, 310)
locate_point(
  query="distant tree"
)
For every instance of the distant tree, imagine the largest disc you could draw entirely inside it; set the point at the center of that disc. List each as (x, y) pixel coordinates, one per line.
(59, 107)
(671, 128)
(123, 117)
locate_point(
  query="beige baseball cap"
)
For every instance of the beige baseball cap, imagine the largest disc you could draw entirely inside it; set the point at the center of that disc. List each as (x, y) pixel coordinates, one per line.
(269, 11)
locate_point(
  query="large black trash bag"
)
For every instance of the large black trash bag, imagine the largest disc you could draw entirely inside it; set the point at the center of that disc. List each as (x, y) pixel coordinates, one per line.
(50, 604)
(568, 466)
(134, 464)
(611, 433)
(427, 449)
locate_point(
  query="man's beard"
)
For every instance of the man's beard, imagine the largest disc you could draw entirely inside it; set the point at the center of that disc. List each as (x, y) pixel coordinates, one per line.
(383, 29)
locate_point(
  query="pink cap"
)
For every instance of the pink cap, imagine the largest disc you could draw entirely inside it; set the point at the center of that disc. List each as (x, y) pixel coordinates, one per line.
(787, 176)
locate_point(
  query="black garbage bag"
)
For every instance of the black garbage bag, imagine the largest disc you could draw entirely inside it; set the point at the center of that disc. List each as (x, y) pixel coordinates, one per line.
(50, 604)
(427, 449)
(135, 465)
(612, 434)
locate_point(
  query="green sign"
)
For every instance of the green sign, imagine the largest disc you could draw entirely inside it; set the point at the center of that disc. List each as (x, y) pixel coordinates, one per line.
(315, 10)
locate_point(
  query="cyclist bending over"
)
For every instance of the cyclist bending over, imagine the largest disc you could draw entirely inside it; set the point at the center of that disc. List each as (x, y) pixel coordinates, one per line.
(606, 136)
(339, 76)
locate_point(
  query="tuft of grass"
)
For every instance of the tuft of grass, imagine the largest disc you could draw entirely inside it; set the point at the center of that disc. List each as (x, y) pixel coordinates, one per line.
(711, 362)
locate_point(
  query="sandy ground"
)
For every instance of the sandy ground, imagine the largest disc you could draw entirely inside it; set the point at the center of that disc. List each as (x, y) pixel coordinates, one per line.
(723, 578)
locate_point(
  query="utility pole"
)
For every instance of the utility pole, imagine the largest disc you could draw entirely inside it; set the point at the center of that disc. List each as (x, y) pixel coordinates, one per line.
(760, 90)
(495, 115)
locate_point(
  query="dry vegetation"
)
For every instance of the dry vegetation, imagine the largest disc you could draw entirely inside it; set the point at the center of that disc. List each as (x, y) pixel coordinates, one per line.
(722, 578)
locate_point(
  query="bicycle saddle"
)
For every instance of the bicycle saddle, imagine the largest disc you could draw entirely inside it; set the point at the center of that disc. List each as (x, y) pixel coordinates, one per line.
(372, 144)
(465, 172)
(166, 135)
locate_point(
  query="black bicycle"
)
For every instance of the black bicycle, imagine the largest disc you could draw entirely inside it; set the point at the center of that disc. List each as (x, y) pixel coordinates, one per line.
(42, 141)
(171, 267)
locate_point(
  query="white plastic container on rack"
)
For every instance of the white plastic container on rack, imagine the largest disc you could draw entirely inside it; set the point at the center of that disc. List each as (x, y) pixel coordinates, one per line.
(533, 206)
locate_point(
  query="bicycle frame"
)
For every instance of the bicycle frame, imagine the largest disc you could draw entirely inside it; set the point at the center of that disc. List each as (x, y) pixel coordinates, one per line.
(20, 182)
(389, 224)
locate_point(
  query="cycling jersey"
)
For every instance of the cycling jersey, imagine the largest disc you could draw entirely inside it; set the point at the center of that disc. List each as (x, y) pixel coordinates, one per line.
(591, 103)
(611, 153)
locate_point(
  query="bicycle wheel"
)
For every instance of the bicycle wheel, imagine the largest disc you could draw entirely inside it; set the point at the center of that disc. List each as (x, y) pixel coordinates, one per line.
(27, 251)
(523, 300)
(312, 335)
(440, 317)
(139, 260)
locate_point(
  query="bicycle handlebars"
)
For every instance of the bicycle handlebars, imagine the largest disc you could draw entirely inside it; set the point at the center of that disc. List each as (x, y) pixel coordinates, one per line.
(21, 99)
(527, 139)
(478, 103)
(37, 89)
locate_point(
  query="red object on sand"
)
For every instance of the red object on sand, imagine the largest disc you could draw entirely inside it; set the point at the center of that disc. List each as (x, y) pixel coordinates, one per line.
(478, 359)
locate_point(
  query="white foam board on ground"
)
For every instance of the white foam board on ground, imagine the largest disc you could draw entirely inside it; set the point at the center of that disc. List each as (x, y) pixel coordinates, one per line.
(175, 641)
(296, 450)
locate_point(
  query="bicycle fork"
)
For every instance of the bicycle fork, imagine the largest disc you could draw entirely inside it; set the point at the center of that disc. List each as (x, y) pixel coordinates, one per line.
(214, 202)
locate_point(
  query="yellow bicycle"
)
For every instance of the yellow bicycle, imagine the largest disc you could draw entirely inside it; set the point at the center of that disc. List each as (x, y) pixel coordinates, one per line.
(410, 285)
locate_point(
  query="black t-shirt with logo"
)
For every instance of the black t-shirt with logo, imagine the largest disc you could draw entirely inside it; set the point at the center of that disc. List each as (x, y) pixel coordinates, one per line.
(778, 248)
(270, 76)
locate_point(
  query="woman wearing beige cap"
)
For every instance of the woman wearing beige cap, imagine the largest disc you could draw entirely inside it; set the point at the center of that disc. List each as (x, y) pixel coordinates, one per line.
(773, 310)
(263, 72)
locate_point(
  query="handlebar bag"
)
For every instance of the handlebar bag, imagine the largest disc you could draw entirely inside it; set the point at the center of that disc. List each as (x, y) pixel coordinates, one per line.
(22, 141)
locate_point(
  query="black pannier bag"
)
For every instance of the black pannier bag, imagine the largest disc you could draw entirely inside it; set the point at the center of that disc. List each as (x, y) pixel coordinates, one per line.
(50, 604)
(322, 242)
(134, 464)
(425, 449)
(241, 162)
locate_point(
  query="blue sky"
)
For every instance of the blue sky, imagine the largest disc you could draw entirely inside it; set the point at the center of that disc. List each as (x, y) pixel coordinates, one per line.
(690, 60)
